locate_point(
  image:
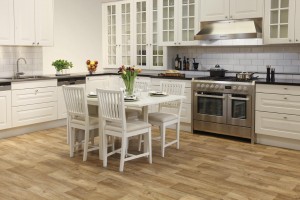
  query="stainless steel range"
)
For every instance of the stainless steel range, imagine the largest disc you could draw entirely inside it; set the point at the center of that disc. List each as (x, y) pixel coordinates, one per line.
(223, 106)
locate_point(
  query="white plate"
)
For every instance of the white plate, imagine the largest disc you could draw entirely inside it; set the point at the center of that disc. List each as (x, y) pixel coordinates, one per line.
(92, 95)
(153, 93)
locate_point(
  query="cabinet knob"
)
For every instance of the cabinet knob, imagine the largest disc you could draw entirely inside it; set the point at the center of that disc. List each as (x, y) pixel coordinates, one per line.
(231, 17)
(285, 88)
(38, 43)
(290, 40)
(33, 43)
(284, 117)
(226, 17)
(178, 42)
(296, 40)
(175, 43)
(285, 98)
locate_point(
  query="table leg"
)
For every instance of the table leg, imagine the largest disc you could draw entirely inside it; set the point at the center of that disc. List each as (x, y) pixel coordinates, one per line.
(145, 118)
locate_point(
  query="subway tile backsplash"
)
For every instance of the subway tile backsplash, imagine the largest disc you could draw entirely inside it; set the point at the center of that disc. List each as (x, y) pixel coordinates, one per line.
(10, 54)
(285, 58)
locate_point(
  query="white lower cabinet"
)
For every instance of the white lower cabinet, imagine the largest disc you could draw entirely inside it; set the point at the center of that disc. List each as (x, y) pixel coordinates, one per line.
(32, 114)
(277, 113)
(5, 109)
(34, 102)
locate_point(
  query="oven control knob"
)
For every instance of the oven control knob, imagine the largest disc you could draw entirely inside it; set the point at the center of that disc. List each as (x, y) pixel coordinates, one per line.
(216, 87)
(245, 88)
(234, 87)
(240, 88)
(212, 87)
(221, 87)
(202, 85)
(207, 86)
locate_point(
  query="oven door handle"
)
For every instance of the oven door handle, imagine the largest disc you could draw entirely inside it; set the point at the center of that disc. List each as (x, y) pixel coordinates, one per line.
(209, 96)
(239, 99)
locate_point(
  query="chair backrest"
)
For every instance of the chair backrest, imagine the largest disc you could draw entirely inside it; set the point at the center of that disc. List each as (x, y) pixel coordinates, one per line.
(75, 100)
(142, 85)
(111, 106)
(172, 88)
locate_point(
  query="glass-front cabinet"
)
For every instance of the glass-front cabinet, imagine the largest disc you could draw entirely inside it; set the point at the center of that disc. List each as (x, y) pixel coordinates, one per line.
(180, 22)
(117, 34)
(148, 53)
(281, 21)
(131, 35)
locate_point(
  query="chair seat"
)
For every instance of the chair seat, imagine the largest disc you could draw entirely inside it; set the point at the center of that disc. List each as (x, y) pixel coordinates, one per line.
(131, 126)
(81, 120)
(161, 117)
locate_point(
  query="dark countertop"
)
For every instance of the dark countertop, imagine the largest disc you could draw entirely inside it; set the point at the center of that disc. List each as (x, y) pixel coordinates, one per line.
(81, 76)
(295, 82)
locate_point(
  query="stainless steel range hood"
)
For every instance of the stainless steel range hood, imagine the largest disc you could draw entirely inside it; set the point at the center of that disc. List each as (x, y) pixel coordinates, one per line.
(232, 29)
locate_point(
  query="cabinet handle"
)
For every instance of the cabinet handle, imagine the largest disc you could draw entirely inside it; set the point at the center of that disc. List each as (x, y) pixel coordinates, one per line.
(36, 92)
(231, 17)
(285, 98)
(284, 117)
(296, 40)
(175, 43)
(290, 40)
(285, 88)
(226, 17)
(38, 43)
(150, 45)
(178, 42)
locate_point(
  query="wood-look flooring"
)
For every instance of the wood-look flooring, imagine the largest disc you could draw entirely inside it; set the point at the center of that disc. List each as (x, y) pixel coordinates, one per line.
(37, 166)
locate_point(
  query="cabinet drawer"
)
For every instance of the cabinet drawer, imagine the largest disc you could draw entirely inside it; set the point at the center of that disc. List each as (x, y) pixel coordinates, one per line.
(286, 104)
(278, 89)
(34, 96)
(280, 125)
(33, 84)
(31, 114)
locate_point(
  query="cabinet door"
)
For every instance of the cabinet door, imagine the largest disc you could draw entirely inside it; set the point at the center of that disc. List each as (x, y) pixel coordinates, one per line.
(126, 35)
(7, 36)
(188, 22)
(5, 107)
(44, 22)
(297, 23)
(279, 125)
(158, 53)
(279, 21)
(241, 9)
(169, 26)
(213, 10)
(141, 12)
(36, 113)
(24, 22)
(92, 83)
(109, 39)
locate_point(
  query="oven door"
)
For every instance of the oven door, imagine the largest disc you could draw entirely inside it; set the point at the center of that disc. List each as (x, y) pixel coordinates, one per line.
(239, 110)
(210, 107)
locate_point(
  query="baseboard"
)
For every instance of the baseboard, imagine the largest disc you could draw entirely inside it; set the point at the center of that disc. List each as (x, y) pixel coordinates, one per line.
(278, 141)
(31, 128)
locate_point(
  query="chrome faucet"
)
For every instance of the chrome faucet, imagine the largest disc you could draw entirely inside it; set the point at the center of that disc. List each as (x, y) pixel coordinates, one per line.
(18, 73)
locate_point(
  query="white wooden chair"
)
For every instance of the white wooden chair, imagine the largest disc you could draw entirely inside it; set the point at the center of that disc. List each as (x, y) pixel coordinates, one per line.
(140, 85)
(113, 122)
(78, 118)
(168, 113)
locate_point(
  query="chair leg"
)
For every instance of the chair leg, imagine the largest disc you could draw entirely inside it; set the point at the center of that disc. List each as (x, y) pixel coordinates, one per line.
(92, 137)
(163, 139)
(71, 141)
(86, 143)
(68, 131)
(140, 142)
(177, 134)
(149, 145)
(123, 150)
(104, 150)
(112, 143)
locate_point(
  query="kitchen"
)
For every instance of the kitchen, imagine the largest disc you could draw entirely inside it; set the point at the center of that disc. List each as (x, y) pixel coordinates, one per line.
(77, 37)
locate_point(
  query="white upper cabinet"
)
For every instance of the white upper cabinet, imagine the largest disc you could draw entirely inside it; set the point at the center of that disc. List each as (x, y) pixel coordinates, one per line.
(117, 34)
(7, 22)
(148, 53)
(33, 22)
(214, 10)
(180, 22)
(130, 35)
(282, 21)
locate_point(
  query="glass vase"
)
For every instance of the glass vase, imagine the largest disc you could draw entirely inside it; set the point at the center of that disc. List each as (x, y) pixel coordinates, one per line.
(129, 86)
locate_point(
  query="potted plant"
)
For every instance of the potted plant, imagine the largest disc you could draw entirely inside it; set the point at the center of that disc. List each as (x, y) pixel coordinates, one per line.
(60, 65)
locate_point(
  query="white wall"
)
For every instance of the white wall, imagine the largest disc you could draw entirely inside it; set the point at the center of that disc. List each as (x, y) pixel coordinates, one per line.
(77, 34)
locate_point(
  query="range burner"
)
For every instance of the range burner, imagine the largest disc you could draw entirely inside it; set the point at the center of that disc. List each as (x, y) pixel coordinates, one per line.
(226, 78)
